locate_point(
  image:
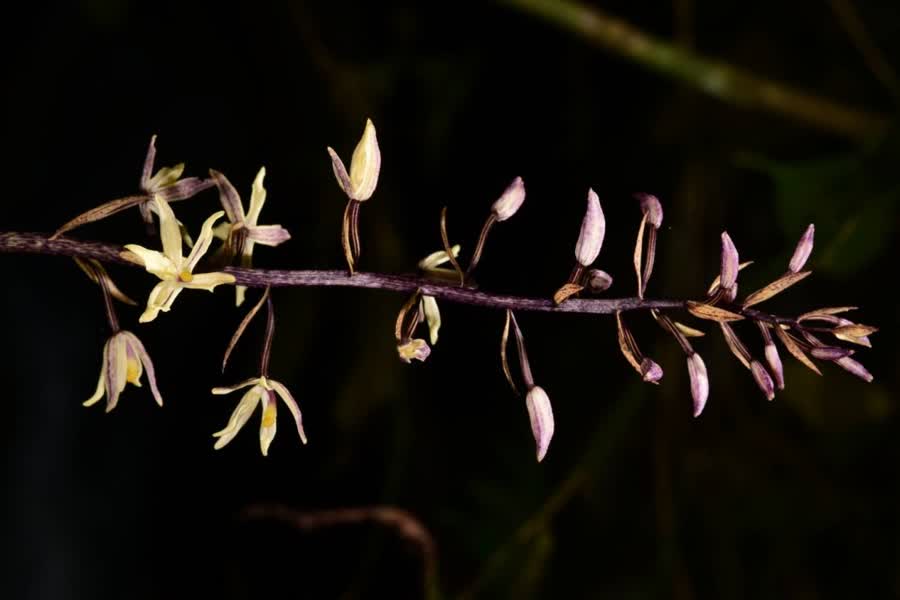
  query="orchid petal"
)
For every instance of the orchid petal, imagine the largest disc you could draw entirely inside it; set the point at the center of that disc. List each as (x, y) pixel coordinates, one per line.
(239, 417)
(203, 241)
(101, 383)
(229, 197)
(288, 399)
(257, 197)
(269, 424)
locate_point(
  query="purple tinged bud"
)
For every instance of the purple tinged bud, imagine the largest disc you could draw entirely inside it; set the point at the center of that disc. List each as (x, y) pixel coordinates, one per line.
(599, 280)
(651, 372)
(856, 368)
(763, 380)
(699, 382)
(510, 201)
(804, 249)
(593, 228)
(774, 360)
(651, 207)
(830, 352)
(731, 293)
(730, 262)
(540, 413)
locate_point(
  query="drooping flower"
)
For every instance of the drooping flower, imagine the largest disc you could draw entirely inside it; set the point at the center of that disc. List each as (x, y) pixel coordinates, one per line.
(263, 390)
(124, 361)
(174, 269)
(510, 201)
(414, 349)
(242, 231)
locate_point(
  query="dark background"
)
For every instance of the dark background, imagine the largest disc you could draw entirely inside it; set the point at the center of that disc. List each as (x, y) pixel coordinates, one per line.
(795, 498)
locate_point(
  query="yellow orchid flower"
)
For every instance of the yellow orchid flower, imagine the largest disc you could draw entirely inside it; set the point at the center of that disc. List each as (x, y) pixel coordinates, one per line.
(263, 389)
(171, 266)
(124, 361)
(242, 231)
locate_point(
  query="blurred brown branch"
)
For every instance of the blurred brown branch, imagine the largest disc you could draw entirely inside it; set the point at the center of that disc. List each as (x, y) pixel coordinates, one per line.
(721, 80)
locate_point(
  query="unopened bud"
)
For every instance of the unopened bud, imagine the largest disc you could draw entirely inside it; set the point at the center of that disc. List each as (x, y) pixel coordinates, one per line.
(730, 262)
(855, 368)
(364, 166)
(598, 280)
(763, 380)
(699, 382)
(651, 207)
(593, 228)
(651, 372)
(540, 413)
(804, 249)
(774, 360)
(830, 352)
(510, 201)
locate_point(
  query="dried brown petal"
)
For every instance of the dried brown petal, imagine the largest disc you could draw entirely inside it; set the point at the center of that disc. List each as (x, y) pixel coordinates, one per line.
(795, 350)
(565, 292)
(776, 287)
(712, 313)
(736, 346)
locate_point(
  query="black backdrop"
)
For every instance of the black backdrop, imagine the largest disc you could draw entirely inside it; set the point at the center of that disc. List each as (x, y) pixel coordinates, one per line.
(796, 498)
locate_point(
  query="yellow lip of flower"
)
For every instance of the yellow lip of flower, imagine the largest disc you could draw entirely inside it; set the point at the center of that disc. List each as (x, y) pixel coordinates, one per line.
(124, 361)
(262, 390)
(174, 269)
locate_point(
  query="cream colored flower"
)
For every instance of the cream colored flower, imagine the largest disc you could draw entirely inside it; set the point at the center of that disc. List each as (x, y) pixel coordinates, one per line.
(242, 232)
(365, 165)
(174, 269)
(124, 361)
(263, 389)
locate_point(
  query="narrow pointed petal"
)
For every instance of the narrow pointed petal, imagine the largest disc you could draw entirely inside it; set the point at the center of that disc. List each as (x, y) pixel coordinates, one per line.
(161, 298)
(168, 231)
(593, 229)
(651, 206)
(775, 365)
(208, 281)
(203, 241)
(165, 177)
(340, 172)
(141, 352)
(257, 197)
(116, 370)
(288, 399)
(730, 262)
(149, 159)
(185, 188)
(269, 424)
(803, 250)
(540, 413)
(219, 391)
(101, 383)
(763, 380)
(239, 417)
(154, 262)
(856, 368)
(436, 259)
(699, 382)
(268, 235)
(432, 317)
(229, 197)
(365, 164)
(510, 201)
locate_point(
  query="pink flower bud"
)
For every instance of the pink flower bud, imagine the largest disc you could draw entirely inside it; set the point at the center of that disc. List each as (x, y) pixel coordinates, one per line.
(763, 380)
(541, 415)
(730, 262)
(510, 201)
(651, 372)
(593, 228)
(774, 360)
(804, 249)
(699, 382)
(855, 368)
(599, 280)
(651, 207)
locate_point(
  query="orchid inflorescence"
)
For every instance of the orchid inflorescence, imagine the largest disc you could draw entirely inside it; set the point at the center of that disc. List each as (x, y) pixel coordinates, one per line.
(824, 334)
